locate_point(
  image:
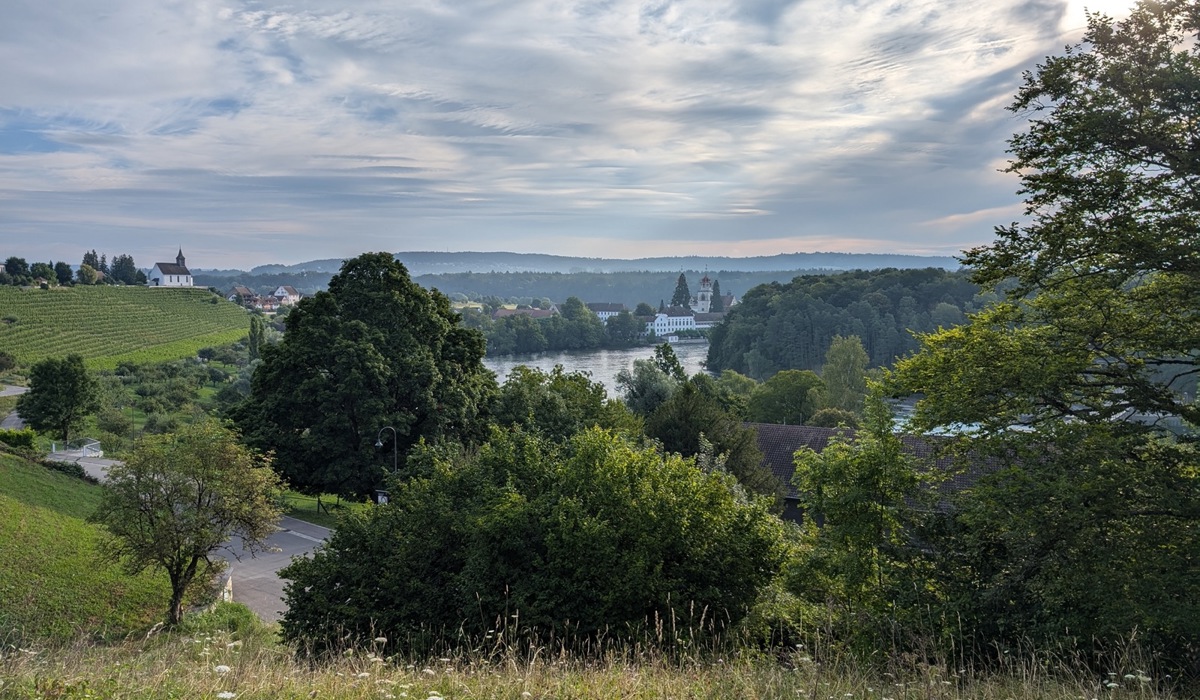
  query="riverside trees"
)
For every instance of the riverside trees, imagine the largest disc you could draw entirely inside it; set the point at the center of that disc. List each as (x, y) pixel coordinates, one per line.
(375, 350)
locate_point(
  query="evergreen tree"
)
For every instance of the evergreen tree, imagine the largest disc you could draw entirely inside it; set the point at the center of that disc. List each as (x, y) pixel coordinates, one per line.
(718, 304)
(682, 296)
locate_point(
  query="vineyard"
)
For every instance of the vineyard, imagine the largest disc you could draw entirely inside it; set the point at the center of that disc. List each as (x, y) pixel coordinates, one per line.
(107, 325)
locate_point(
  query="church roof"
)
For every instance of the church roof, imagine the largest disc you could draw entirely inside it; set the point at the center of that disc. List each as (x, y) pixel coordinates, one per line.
(171, 269)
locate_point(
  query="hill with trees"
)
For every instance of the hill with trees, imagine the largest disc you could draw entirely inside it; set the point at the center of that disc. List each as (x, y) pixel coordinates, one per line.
(790, 326)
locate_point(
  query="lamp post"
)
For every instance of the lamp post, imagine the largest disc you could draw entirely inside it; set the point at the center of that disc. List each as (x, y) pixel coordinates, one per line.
(381, 495)
(395, 440)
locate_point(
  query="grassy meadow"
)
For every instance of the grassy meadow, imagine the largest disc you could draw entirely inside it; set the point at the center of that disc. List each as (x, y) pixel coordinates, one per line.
(55, 586)
(107, 325)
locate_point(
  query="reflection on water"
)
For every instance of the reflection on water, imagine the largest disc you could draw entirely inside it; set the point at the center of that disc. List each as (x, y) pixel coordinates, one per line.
(603, 365)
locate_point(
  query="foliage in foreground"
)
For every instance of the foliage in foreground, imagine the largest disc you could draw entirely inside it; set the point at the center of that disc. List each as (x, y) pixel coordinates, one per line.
(1090, 529)
(595, 538)
(222, 655)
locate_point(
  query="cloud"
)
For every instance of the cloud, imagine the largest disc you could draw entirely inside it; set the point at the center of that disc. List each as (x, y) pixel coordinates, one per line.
(264, 131)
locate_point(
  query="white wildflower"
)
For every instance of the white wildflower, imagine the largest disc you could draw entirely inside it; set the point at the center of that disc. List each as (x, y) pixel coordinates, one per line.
(221, 668)
(226, 695)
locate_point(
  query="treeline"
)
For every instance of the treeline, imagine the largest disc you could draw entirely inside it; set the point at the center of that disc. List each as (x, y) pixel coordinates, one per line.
(575, 327)
(790, 326)
(94, 269)
(628, 288)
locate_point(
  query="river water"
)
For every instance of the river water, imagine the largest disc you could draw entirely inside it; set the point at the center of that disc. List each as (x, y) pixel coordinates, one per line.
(602, 365)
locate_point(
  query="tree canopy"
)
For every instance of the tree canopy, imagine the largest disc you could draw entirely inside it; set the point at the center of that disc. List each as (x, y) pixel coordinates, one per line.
(791, 326)
(1093, 519)
(375, 350)
(61, 395)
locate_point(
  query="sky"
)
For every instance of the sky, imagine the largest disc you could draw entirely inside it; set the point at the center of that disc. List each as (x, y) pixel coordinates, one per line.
(255, 132)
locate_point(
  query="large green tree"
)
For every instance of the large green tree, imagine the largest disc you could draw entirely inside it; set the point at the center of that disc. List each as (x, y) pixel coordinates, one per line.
(61, 395)
(595, 537)
(179, 498)
(374, 350)
(1089, 353)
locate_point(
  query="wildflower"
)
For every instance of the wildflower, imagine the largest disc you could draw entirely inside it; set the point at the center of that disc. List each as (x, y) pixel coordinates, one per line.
(233, 645)
(221, 668)
(362, 674)
(226, 695)
(429, 671)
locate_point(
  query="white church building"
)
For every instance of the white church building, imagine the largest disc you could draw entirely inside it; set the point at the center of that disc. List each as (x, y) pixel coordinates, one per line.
(173, 274)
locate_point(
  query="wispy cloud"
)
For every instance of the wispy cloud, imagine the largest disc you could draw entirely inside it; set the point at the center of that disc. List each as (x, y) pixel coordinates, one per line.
(257, 131)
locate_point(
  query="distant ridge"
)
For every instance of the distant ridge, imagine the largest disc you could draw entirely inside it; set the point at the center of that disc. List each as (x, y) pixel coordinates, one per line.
(431, 263)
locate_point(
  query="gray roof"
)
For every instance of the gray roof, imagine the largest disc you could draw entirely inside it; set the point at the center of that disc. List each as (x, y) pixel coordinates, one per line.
(172, 269)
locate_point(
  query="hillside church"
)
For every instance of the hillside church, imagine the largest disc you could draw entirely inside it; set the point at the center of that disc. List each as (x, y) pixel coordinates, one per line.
(174, 274)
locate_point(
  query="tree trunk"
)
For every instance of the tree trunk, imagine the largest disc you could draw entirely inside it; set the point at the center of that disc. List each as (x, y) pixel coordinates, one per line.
(175, 613)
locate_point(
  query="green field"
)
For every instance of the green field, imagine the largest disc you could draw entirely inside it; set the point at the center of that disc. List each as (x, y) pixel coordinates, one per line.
(54, 583)
(107, 325)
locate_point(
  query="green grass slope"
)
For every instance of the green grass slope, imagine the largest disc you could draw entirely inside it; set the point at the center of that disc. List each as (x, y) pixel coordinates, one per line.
(109, 324)
(55, 586)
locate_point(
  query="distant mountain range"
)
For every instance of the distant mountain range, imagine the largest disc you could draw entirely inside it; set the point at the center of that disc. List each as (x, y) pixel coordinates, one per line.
(430, 263)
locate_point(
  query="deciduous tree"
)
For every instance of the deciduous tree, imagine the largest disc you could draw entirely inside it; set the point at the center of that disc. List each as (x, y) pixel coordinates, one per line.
(1089, 352)
(790, 397)
(374, 350)
(181, 497)
(845, 373)
(61, 395)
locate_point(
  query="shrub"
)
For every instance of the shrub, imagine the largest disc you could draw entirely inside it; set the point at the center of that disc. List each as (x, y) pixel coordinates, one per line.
(19, 438)
(595, 537)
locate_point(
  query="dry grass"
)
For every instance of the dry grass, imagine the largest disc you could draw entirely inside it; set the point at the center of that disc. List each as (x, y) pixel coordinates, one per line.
(219, 664)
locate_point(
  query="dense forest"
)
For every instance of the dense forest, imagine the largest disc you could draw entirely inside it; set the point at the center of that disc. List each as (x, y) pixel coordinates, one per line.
(790, 326)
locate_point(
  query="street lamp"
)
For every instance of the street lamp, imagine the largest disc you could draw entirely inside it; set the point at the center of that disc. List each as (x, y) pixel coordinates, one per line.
(395, 440)
(381, 495)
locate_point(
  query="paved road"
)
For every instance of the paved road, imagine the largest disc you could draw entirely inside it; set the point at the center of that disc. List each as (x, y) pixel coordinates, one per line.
(255, 582)
(12, 421)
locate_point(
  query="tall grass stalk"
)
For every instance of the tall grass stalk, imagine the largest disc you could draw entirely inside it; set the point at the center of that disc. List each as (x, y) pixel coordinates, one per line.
(230, 658)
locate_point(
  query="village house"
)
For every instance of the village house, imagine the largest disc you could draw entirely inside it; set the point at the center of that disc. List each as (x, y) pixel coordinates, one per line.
(286, 295)
(242, 295)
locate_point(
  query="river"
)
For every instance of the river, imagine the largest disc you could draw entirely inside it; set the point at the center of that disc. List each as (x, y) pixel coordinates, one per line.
(603, 365)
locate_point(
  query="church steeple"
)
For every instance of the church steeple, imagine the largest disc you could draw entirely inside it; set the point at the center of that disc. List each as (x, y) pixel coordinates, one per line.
(179, 259)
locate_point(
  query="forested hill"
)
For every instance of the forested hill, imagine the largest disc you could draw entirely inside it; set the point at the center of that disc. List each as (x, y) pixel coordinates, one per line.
(789, 326)
(429, 263)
